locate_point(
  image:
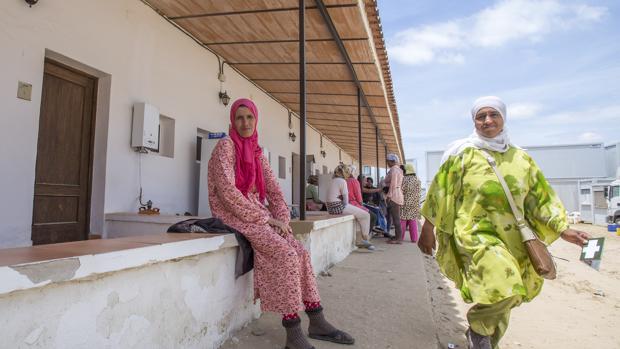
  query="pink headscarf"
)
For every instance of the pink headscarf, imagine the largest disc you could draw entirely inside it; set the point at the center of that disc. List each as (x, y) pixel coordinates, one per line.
(248, 168)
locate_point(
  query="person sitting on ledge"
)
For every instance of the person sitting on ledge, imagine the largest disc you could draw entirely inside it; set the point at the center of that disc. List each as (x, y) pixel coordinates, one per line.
(240, 180)
(313, 203)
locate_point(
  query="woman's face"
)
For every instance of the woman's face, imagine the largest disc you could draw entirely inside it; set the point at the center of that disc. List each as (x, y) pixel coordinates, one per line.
(245, 122)
(489, 122)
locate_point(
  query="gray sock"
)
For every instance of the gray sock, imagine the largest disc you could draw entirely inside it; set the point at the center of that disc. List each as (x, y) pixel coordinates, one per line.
(318, 324)
(295, 338)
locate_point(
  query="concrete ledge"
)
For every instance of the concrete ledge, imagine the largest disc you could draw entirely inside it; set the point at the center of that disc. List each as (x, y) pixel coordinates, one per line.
(85, 259)
(159, 290)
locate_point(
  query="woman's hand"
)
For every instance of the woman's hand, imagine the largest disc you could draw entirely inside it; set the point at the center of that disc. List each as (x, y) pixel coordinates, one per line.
(280, 227)
(427, 238)
(576, 237)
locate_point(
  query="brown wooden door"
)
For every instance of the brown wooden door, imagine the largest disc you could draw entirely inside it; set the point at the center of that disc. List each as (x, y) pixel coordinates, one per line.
(64, 156)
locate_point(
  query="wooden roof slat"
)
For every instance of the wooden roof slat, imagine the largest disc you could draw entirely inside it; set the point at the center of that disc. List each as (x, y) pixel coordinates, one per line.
(316, 51)
(290, 71)
(258, 26)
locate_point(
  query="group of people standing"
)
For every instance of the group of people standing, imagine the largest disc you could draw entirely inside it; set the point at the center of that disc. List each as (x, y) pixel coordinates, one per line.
(395, 202)
(466, 216)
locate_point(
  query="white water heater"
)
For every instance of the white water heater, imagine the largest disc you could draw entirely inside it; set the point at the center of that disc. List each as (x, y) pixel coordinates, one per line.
(145, 127)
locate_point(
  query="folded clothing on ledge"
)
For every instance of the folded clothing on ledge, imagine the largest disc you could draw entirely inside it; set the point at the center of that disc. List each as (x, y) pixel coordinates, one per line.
(245, 255)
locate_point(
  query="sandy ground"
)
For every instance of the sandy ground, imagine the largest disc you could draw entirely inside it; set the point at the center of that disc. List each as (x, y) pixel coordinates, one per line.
(580, 309)
(380, 298)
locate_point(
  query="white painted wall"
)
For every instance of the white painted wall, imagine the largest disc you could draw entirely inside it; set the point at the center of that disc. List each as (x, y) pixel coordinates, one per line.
(147, 60)
(612, 159)
(194, 302)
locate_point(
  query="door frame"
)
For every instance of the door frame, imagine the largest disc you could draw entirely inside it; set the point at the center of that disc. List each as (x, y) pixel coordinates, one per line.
(91, 142)
(100, 148)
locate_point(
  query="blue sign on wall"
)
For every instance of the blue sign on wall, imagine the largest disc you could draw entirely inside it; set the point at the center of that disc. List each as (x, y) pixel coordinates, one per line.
(217, 135)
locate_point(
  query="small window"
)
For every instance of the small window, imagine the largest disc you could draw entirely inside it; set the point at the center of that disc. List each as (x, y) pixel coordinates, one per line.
(166, 136)
(325, 170)
(282, 167)
(599, 200)
(585, 191)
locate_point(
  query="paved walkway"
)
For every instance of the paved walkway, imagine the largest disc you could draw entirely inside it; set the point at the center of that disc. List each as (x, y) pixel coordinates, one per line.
(380, 298)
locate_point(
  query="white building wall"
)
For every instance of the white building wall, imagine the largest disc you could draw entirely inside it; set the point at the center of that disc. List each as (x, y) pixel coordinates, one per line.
(146, 59)
(570, 161)
(612, 159)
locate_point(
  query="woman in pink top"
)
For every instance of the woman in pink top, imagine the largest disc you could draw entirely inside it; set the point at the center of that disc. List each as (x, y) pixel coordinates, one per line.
(355, 195)
(240, 180)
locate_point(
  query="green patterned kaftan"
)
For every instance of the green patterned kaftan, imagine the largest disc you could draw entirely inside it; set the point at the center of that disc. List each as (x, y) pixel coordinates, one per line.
(479, 245)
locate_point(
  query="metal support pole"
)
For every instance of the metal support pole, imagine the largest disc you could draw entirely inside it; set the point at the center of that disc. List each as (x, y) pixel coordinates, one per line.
(386, 164)
(359, 128)
(302, 110)
(377, 150)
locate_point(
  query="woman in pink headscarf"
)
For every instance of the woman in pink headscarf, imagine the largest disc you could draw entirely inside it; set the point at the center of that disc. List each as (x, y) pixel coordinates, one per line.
(240, 181)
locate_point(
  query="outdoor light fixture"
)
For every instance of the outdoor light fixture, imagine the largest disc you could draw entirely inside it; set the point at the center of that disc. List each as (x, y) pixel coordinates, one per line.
(225, 98)
(31, 2)
(323, 153)
(291, 133)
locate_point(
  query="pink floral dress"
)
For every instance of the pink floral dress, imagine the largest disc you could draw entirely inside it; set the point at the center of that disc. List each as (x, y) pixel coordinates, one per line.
(283, 276)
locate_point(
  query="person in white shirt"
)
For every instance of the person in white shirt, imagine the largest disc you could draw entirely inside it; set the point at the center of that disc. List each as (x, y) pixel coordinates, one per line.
(337, 202)
(394, 197)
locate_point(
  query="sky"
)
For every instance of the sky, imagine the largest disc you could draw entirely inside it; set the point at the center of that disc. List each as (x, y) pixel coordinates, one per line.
(556, 64)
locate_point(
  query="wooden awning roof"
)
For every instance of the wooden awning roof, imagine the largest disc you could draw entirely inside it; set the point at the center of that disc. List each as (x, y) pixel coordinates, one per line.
(260, 40)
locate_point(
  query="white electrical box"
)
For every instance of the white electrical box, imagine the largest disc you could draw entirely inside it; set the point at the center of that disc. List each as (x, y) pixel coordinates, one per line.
(145, 127)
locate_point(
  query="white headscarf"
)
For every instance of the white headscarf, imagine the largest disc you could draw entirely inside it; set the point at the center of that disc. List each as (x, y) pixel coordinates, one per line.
(500, 143)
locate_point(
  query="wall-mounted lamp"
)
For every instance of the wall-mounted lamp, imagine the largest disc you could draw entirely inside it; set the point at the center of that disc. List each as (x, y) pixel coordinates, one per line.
(225, 98)
(31, 2)
(323, 153)
(292, 136)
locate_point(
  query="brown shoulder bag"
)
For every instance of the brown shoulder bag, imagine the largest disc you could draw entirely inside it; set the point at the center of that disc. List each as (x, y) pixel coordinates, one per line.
(537, 250)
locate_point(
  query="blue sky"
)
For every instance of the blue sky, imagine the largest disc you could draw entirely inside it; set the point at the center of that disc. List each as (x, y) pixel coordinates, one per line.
(556, 63)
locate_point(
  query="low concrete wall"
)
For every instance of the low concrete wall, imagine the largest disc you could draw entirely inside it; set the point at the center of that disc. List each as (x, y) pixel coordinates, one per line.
(106, 301)
(329, 241)
(172, 295)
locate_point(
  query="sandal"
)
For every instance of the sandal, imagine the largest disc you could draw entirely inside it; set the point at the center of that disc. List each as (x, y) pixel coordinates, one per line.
(394, 242)
(335, 337)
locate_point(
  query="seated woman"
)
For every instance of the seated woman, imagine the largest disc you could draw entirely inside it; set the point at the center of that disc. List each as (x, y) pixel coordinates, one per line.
(240, 179)
(338, 203)
(355, 195)
(313, 203)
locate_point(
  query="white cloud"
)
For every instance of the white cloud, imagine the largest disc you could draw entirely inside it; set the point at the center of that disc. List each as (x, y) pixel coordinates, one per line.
(506, 21)
(523, 111)
(599, 116)
(590, 137)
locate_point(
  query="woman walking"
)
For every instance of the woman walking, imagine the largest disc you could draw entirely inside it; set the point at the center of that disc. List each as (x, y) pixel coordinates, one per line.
(240, 180)
(410, 212)
(480, 246)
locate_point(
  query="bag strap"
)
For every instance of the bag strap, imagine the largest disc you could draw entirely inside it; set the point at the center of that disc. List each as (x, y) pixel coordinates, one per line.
(526, 233)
